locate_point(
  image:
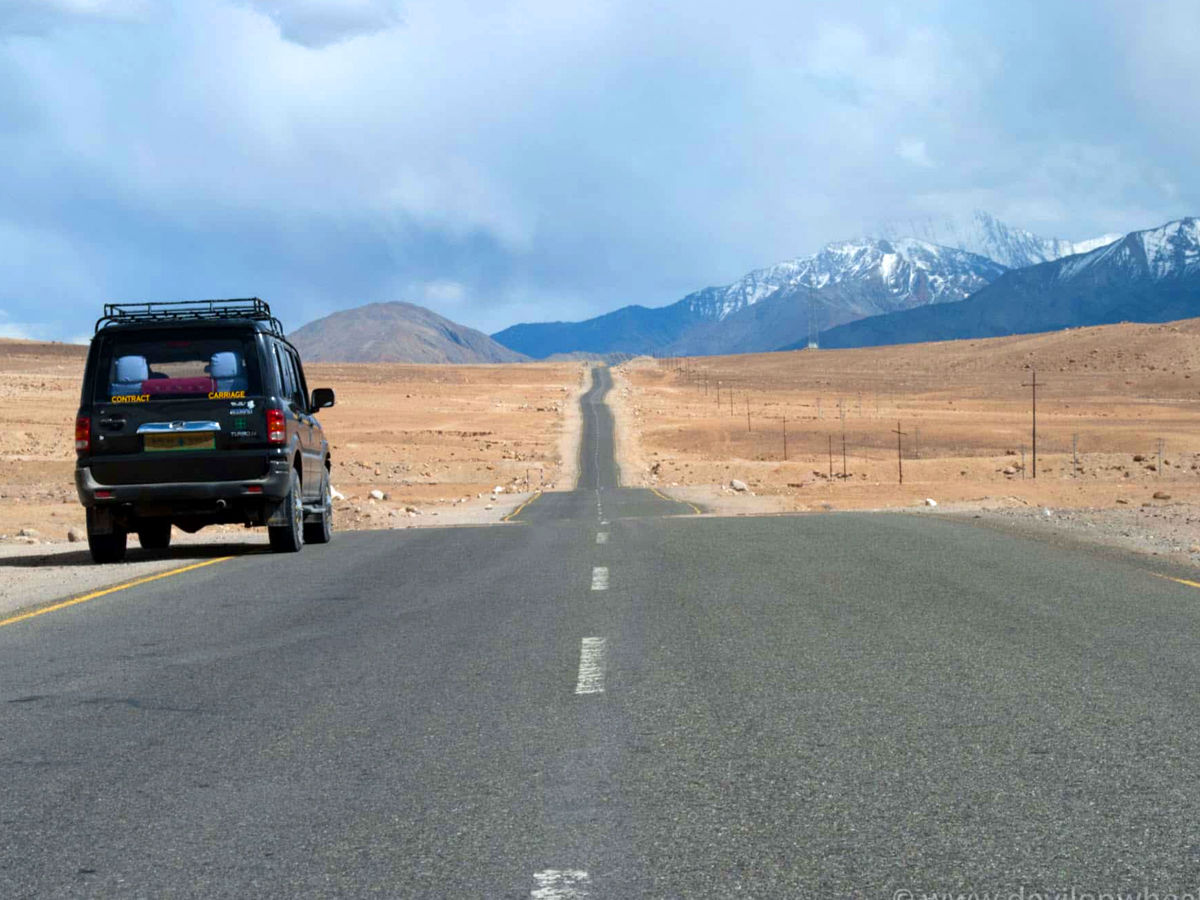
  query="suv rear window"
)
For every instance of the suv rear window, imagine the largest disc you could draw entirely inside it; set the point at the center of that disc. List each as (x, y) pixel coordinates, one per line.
(141, 368)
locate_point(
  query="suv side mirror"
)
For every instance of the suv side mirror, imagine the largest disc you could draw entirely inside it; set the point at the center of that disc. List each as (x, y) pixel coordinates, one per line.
(321, 398)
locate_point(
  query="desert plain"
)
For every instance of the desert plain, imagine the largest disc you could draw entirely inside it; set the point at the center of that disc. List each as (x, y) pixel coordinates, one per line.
(1118, 433)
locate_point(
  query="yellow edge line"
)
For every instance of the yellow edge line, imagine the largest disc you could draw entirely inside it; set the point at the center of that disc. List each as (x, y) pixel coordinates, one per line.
(516, 512)
(1195, 584)
(694, 507)
(63, 604)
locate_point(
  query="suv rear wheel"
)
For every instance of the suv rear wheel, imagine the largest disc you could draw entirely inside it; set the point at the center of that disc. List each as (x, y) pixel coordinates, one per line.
(154, 534)
(320, 529)
(108, 547)
(290, 537)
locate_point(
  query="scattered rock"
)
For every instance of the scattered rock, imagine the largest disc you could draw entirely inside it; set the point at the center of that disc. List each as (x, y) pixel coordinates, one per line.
(336, 494)
(1161, 495)
(1009, 470)
(929, 501)
(29, 532)
(1138, 457)
(738, 485)
(1046, 512)
(378, 495)
(1122, 501)
(498, 489)
(489, 506)
(73, 535)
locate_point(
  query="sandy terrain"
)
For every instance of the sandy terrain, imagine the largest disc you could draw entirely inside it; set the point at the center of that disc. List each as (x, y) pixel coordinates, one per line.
(965, 410)
(435, 439)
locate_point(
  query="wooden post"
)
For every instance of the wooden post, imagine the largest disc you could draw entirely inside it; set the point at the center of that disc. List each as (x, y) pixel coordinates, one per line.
(900, 450)
(785, 437)
(1033, 385)
(748, 414)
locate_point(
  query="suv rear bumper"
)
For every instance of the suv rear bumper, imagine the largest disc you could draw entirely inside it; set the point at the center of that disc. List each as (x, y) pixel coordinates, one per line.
(273, 487)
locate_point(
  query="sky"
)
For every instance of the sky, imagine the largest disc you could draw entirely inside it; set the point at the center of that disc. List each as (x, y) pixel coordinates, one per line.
(501, 161)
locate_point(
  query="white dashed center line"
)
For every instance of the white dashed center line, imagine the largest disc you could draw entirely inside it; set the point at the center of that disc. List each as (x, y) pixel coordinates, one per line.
(591, 666)
(602, 537)
(560, 884)
(600, 578)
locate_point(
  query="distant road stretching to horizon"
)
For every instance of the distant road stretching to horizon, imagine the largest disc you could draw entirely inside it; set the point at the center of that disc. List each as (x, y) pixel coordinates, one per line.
(612, 697)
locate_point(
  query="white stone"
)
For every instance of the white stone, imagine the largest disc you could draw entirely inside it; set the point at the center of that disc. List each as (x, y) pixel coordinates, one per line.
(738, 485)
(929, 501)
(378, 495)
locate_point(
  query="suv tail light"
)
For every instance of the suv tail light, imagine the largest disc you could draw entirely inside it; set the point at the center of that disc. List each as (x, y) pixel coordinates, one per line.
(83, 434)
(276, 429)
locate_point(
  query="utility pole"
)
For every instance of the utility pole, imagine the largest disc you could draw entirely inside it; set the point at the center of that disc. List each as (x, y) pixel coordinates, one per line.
(843, 442)
(1161, 442)
(748, 414)
(1033, 385)
(900, 450)
(785, 437)
(1074, 454)
(731, 401)
(831, 457)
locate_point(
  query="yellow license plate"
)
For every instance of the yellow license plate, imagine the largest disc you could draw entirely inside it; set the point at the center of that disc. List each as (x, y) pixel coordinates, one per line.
(197, 440)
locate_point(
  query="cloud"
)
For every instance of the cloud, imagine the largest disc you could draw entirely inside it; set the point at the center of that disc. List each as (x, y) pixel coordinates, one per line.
(16, 330)
(503, 160)
(914, 151)
(320, 23)
(33, 17)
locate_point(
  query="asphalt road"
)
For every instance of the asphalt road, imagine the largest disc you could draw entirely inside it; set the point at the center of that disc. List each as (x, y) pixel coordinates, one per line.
(828, 706)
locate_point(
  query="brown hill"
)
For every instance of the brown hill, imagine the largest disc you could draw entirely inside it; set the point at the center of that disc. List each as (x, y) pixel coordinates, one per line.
(396, 332)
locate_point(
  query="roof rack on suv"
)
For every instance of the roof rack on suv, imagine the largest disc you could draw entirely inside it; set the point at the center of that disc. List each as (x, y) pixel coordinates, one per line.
(189, 310)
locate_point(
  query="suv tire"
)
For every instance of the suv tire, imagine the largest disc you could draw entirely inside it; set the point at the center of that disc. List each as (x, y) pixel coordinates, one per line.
(105, 548)
(290, 537)
(155, 534)
(320, 530)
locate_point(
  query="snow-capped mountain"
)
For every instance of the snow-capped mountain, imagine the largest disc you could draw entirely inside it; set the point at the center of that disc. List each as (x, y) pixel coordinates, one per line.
(890, 275)
(1171, 251)
(934, 265)
(985, 235)
(847, 280)
(1146, 276)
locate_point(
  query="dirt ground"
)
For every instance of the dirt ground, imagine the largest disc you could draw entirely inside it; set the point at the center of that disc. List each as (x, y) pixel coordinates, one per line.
(1112, 393)
(436, 440)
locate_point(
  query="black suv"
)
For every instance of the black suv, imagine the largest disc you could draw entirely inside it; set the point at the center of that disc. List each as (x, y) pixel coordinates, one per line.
(194, 414)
